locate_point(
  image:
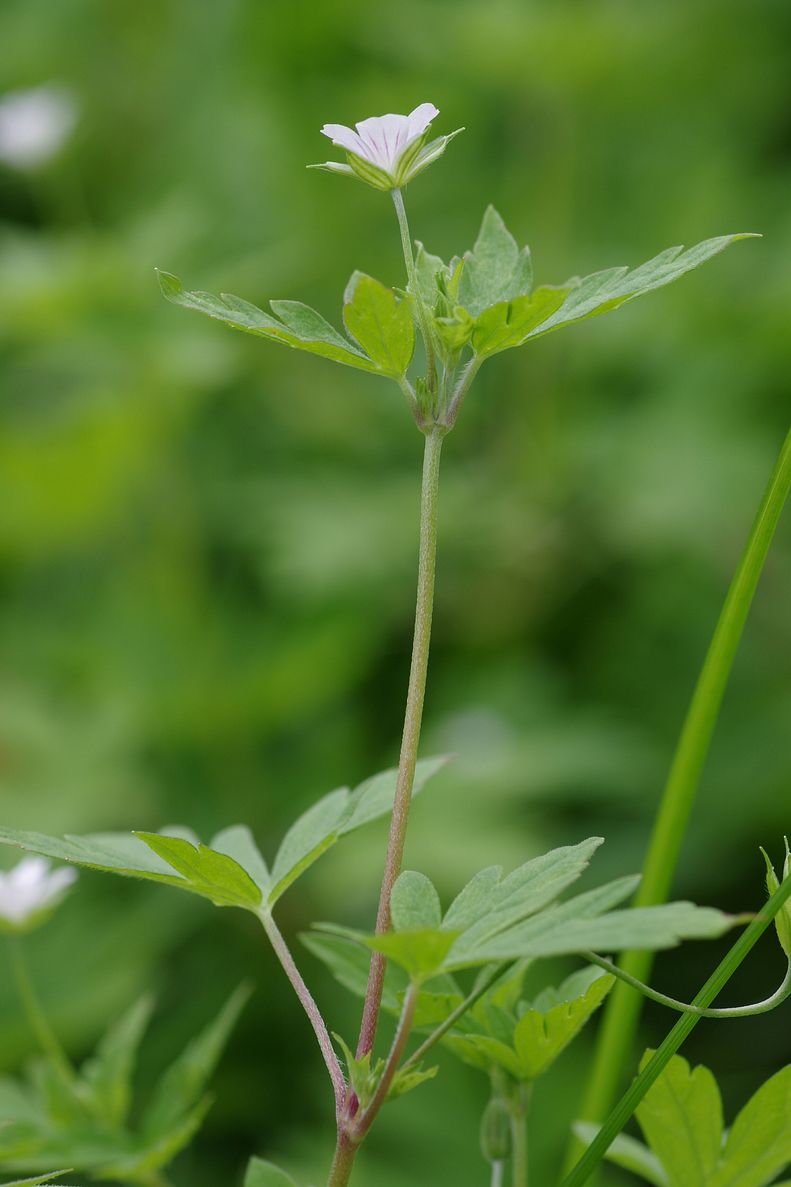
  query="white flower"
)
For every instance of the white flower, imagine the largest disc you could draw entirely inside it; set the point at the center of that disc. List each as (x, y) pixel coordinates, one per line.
(29, 890)
(387, 151)
(34, 124)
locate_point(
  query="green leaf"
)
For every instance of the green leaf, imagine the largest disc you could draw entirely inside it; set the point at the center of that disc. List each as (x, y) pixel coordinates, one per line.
(238, 843)
(542, 1034)
(495, 270)
(489, 903)
(336, 814)
(182, 1085)
(510, 323)
(158, 1150)
(380, 323)
(759, 1141)
(231, 871)
(213, 875)
(108, 1073)
(681, 1119)
(310, 836)
(603, 291)
(266, 1174)
(405, 1081)
(585, 923)
(421, 953)
(628, 1153)
(414, 903)
(295, 324)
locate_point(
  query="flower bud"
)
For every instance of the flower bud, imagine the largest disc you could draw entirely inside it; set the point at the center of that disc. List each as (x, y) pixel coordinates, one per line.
(496, 1131)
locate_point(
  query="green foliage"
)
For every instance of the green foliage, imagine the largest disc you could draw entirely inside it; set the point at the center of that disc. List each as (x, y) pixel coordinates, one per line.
(681, 1120)
(295, 324)
(82, 1119)
(380, 323)
(496, 919)
(265, 1174)
(230, 871)
(524, 1038)
(495, 270)
(414, 903)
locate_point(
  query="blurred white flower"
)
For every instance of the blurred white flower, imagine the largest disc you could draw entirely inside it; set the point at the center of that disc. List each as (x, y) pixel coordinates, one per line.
(34, 124)
(387, 151)
(29, 890)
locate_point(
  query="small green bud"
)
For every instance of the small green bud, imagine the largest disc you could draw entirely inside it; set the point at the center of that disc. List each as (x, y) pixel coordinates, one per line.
(496, 1131)
(783, 916)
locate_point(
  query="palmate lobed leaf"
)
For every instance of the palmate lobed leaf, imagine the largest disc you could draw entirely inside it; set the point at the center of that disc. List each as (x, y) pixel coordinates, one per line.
(495, 920)
(294, 324)
(108, 1073)
(230, 871)
(607, 290)
(380, 322)
(681, 1119)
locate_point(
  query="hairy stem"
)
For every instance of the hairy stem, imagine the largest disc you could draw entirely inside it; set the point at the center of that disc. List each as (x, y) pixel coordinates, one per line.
(39, 1024)
(762, 1007)
(343, 1162)
(414, 288)
(412, 722)
(311, 1009)
(622, 1012)
(366, 1119)
(618, 1118)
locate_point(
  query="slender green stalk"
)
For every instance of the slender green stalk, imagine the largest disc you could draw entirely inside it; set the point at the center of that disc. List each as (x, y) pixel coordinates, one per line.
(412, 722)
(632, 1097)
(498, 1170)
(763, 1007)
(477, 992)
(414, 288)
(621, 1015)
(520, 1105)
(308, 1003)
(39, 1024)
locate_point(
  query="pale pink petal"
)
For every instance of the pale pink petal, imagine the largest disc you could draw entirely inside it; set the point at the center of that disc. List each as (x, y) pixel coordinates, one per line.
(345, 137)
(373, 137)
(419, 119)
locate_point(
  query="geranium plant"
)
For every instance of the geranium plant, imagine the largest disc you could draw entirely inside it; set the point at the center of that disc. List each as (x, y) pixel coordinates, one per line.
(454, 973)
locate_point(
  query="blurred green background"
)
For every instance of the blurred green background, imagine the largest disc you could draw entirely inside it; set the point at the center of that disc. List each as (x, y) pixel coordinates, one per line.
(207, 542)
